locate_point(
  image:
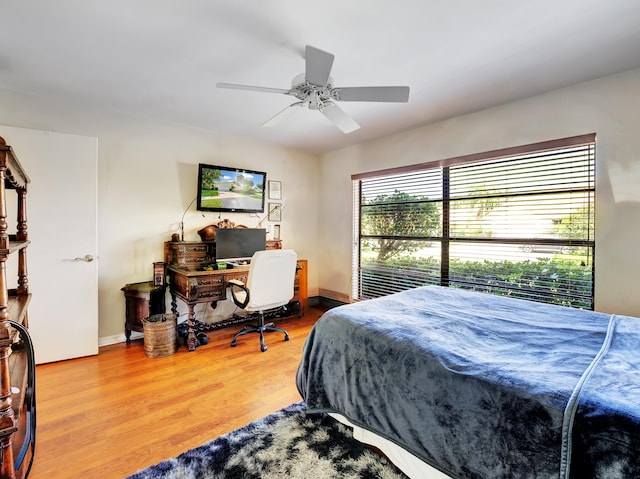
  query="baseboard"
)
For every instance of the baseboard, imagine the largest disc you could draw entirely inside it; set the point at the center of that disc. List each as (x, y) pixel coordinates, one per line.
(334, 295)
(327, 299)
(117, 338)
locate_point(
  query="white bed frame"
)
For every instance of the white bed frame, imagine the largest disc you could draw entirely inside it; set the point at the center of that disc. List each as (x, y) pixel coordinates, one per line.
(400, 457)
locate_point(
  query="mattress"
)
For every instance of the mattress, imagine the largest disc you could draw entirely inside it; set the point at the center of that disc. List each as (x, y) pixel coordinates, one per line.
(477, 385)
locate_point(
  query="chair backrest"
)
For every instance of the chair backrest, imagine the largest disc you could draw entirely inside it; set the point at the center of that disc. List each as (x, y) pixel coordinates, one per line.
(271, 278)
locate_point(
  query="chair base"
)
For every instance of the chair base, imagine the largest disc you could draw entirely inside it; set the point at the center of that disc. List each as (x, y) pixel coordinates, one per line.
(259, 328)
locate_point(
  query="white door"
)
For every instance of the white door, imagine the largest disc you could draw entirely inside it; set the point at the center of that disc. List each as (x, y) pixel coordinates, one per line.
(62, 265)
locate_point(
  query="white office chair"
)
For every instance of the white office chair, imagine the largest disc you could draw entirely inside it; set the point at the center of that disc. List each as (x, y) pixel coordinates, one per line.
(269, 286)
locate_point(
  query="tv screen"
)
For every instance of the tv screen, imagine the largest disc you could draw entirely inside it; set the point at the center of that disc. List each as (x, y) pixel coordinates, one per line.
(224, 188)
(239, 243)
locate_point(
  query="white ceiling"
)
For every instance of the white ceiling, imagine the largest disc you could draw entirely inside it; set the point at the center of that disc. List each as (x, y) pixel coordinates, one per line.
(161, 59)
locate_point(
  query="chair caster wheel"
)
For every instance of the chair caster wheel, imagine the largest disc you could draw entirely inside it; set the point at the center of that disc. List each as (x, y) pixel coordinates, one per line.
(263, 348)
(286, 338)
(233, 343)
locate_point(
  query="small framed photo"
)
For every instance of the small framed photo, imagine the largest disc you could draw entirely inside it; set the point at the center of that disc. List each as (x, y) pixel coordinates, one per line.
(275, 190)
(276, 232)
(275, 212)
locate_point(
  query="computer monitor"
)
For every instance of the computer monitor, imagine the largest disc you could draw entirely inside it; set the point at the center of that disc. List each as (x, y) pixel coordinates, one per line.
(239, 243)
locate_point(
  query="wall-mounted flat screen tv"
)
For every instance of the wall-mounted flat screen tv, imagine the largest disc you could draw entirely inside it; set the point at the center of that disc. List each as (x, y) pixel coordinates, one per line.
(224, 188)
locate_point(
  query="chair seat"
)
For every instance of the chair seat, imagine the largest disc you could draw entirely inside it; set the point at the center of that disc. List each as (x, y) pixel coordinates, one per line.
(269, 287)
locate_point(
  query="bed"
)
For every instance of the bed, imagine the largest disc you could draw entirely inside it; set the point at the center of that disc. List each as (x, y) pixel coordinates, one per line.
(472, 385)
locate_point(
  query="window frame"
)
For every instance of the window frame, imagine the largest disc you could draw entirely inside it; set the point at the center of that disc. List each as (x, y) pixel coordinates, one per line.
(587, 140)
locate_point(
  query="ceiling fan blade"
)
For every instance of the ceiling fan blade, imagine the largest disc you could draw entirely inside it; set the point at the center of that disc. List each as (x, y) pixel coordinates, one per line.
(339, 118)
(278, 117)
(318, 65)
(372, 93)
(234, 86)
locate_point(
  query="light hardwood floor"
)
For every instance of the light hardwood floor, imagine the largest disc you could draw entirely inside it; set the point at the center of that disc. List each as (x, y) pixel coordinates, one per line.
(110, 415)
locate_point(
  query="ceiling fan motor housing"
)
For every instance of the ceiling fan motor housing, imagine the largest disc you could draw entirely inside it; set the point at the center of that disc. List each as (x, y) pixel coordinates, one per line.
(314, 96)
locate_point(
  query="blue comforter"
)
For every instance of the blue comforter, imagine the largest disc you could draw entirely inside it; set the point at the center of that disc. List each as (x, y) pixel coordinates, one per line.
(481, 386)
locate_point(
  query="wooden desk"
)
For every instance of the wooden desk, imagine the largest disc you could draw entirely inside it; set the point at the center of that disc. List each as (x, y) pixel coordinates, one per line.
(193, 287)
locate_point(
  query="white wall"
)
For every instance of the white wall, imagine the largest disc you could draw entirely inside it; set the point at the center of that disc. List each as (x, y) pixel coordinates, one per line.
(146, 183)
(610, 107)
(147, 175)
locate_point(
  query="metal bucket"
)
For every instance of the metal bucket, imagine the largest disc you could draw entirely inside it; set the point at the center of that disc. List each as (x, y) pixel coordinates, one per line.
(160, 335)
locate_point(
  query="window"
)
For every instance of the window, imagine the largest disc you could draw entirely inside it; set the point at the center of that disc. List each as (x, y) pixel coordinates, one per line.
(516, 222)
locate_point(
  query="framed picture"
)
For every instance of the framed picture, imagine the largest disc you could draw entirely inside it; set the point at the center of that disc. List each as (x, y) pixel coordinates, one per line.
(275, 212)
(276, 232)
(275, 190)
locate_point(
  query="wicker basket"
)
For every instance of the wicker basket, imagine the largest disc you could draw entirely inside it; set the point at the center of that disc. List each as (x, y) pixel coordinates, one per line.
(160, 336)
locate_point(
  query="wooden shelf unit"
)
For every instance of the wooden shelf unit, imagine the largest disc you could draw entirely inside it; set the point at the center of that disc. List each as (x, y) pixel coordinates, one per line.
(13, 307)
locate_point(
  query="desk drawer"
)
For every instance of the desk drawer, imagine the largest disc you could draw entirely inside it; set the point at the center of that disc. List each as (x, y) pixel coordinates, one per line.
(189, 255)
(210, 295)
(240, 276)
(211, 288)
(208, 281)
(194, 289)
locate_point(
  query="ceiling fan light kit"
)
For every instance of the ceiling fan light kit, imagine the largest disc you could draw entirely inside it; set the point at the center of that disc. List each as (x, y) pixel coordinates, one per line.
(314, 90)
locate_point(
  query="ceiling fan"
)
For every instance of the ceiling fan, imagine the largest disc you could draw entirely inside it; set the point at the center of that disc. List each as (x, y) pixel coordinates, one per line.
(314, 89)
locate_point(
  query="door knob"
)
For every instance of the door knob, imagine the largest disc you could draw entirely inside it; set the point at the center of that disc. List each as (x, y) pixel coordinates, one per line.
(87, 258)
